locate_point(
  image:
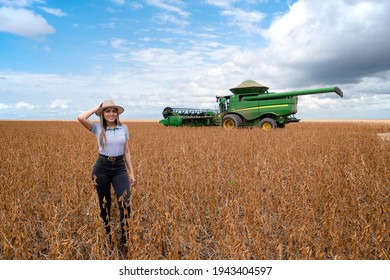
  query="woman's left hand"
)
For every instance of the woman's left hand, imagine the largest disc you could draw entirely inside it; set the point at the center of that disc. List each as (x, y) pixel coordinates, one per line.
(132, 179)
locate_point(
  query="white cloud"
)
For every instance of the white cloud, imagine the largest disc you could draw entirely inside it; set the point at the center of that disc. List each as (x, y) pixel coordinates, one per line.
(54, 11)
(173, 6)
(221, 3)
(120, 44)
(118, 2)
(248, 21)
(23, 22)
(60, 104)
(24, 105)
(169, 60)
(110, 25)
(244, 16)
(20, 3)
(135, 6)
(3, 106)
(167, 18)
(330, 41)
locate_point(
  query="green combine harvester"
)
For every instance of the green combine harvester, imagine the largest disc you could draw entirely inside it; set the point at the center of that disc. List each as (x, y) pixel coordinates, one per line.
(250, 105)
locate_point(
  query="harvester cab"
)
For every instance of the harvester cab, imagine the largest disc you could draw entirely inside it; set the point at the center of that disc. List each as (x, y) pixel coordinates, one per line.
(223, 103)
(250, 105)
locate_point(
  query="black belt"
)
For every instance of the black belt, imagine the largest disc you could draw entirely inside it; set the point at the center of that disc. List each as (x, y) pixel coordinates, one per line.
(110, 158)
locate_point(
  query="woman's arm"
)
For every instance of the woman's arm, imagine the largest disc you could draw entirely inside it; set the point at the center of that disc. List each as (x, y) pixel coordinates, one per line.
(83, 117)
(129, 163)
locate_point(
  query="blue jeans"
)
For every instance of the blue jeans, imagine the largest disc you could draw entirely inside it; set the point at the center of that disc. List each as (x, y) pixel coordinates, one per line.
(105, 173)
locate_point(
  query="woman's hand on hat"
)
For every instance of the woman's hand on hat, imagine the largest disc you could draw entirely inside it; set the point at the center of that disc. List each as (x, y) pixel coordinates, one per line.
(99, 106)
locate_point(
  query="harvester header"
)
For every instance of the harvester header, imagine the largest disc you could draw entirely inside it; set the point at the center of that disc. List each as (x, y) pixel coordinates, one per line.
(250, 105)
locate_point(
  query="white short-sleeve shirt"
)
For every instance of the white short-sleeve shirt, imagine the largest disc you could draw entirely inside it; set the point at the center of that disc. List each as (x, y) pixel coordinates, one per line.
(116, 139)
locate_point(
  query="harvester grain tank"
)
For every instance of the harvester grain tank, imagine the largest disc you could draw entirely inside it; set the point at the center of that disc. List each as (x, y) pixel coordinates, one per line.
(250, 105)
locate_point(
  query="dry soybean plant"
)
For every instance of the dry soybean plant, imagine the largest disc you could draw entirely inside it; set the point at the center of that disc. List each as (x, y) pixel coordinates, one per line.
(308, 191)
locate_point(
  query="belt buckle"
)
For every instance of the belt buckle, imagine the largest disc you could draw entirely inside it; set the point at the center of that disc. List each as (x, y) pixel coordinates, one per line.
(110, 158)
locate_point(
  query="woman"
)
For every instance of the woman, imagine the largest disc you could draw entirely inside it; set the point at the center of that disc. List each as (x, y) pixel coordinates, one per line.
(110, 167)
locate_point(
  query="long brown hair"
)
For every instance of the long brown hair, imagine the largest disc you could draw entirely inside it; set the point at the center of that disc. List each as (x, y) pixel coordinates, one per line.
(103, 125)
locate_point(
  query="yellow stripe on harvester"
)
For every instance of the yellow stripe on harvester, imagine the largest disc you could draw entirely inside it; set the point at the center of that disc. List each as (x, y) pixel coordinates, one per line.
(261, 107)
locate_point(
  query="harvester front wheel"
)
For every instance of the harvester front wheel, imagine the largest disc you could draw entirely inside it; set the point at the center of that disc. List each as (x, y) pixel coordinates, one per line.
(268, 124)
(231, 121)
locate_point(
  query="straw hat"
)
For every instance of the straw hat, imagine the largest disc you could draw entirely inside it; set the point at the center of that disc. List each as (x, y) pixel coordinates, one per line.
(109, 104)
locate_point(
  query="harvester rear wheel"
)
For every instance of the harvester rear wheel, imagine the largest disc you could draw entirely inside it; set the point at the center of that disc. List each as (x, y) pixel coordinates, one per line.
(268, 124)
(231, 121)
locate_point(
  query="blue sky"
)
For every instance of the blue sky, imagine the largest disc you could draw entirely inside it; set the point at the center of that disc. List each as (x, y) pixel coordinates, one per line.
(58, 58)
